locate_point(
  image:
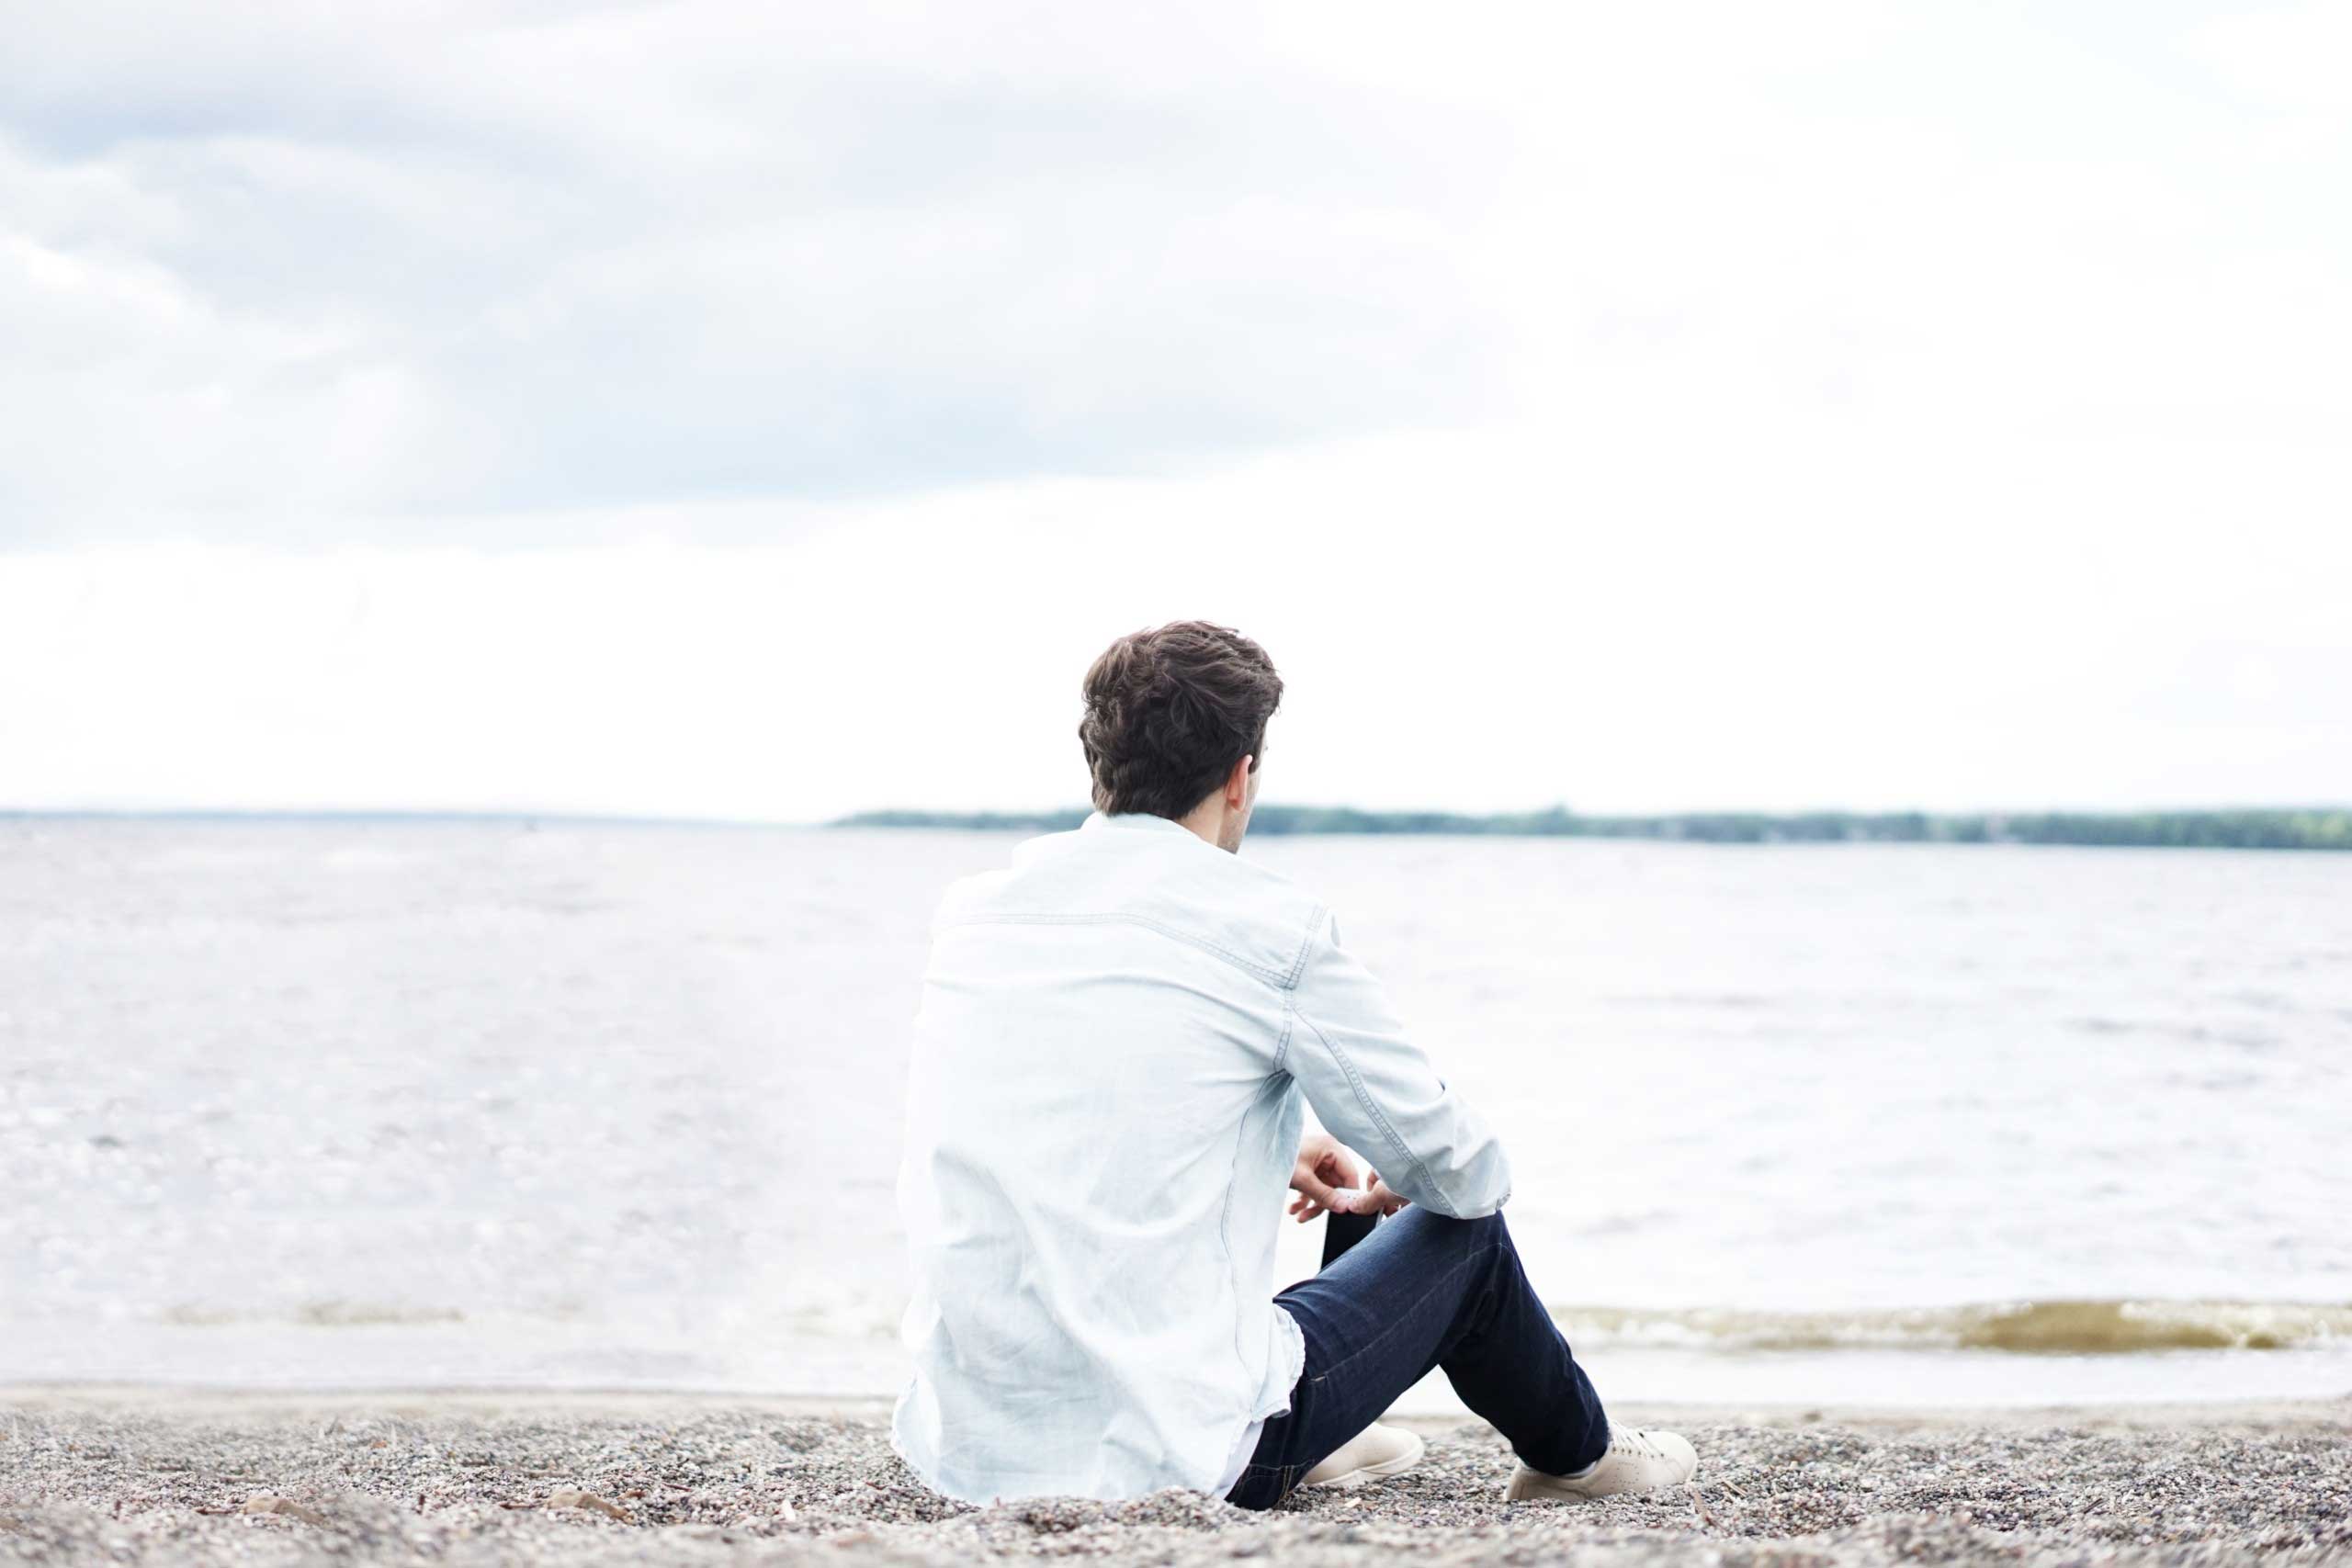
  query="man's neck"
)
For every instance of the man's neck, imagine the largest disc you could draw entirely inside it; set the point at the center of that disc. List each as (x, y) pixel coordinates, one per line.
(1208, 822)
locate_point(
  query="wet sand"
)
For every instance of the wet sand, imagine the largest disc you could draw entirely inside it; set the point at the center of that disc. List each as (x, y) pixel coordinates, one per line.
(156, 1475)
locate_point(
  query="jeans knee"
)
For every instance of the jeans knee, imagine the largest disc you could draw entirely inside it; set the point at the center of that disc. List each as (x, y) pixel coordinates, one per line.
(1478, 1233)
(1485, 1230)
(1482, 1237)
(1490, 1243)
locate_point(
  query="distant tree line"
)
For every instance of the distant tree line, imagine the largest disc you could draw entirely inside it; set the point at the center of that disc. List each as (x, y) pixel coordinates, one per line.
(2314, 830)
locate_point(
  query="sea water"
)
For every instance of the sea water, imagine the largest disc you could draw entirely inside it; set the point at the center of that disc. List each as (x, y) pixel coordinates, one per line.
(428, 1103)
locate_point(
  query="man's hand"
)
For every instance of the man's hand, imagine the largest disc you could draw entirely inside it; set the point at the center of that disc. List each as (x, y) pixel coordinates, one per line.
(1326, 1180)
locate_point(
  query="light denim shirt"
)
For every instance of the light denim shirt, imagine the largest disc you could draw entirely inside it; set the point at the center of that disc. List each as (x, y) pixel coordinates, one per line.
(1102, 1117)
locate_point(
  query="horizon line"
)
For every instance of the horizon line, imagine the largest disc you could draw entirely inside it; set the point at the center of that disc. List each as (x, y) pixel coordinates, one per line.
(864, 816)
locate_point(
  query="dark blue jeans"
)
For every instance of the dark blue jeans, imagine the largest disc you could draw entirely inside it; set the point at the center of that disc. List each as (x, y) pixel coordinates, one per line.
(1421, 1291)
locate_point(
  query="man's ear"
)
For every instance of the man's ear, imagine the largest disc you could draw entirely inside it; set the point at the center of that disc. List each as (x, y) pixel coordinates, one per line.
(1237, 784)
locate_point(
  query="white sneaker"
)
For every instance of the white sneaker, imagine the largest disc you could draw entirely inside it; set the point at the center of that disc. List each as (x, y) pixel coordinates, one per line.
(1636, 1461)
(1374, 1454)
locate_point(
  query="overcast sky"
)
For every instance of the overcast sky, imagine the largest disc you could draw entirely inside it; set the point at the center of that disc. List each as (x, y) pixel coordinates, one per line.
(767, 411)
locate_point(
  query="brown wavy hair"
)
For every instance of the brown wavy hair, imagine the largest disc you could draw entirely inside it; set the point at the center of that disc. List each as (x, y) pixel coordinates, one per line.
(1170, 711)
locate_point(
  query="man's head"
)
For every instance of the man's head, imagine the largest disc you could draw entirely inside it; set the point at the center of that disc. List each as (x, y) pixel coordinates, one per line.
(1175, 726)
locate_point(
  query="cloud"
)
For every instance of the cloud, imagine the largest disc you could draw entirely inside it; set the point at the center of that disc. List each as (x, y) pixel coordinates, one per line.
(304, 264)
(301, 273)
(309, 274)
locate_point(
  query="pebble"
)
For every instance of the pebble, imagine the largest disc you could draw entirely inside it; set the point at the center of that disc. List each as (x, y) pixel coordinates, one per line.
(286, 1507)
(589, 1501)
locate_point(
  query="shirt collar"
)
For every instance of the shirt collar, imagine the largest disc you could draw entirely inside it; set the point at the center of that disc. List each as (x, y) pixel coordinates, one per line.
(1143, 820)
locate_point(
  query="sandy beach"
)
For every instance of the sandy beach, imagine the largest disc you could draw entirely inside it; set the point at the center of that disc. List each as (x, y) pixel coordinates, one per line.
(153, 1475)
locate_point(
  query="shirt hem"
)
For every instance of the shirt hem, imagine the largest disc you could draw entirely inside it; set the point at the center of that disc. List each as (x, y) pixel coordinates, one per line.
(1294, 1356)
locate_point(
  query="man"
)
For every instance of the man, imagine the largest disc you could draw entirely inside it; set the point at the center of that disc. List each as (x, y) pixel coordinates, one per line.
(1103, 1111)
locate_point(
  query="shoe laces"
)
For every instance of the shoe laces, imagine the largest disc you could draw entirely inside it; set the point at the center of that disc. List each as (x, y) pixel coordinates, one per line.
(1636, 1442)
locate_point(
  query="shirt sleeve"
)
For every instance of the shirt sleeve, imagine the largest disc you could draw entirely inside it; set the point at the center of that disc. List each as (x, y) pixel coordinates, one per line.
(1373, 1088)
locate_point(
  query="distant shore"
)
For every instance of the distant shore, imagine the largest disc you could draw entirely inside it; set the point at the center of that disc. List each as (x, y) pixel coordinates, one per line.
(136, 1475)
(2318, 829)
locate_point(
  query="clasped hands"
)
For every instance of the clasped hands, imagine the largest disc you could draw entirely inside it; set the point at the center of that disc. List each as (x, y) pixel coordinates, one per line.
(1331, 1178)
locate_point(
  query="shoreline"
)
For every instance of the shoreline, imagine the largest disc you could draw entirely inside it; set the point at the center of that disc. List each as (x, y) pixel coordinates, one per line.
(650, 1403)
(466, 1478)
